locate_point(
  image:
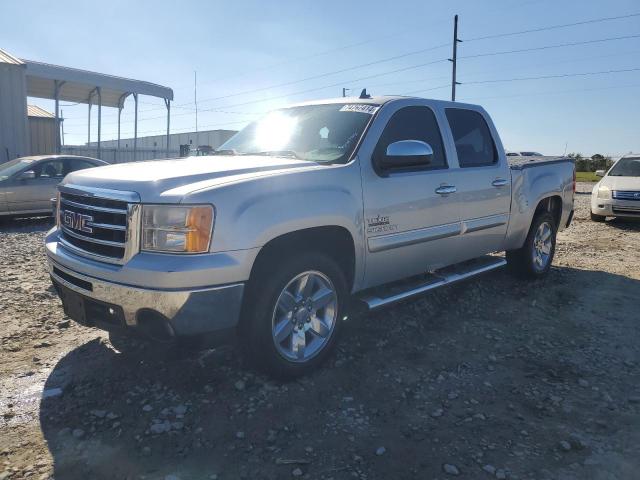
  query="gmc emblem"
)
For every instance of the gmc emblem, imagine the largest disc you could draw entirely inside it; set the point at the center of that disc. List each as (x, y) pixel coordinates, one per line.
(77, 221)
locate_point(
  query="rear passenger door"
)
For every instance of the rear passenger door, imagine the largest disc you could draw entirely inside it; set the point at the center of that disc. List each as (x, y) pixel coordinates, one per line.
(483, 181)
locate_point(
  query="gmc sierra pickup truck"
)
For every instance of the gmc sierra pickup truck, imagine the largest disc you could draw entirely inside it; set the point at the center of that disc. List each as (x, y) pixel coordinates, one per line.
(268, 239)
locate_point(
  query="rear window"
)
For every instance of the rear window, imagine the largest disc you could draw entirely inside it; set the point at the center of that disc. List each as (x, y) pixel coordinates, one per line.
(474, 143)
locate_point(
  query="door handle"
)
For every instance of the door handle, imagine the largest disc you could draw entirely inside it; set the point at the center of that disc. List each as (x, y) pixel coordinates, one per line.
(446, 189)
(499, 182)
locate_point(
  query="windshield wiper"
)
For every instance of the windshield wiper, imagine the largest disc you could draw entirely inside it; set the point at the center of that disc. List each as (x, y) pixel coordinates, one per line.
(276, 153)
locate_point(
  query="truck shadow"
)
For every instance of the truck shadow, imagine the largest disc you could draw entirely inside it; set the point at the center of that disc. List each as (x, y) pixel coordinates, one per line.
(104, 416)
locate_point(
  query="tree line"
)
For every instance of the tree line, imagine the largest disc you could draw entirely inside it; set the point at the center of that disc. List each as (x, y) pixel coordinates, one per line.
(591, 164)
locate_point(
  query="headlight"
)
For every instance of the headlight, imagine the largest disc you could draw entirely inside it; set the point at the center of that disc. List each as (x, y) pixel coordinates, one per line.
(181, 229)
(604, 192)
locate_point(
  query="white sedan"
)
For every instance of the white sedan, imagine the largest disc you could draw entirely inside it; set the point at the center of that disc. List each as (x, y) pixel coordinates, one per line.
(618, 193)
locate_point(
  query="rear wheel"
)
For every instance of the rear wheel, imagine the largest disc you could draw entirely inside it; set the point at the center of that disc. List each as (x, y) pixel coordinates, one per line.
(534, 259)
(597, 218)
(293, 314)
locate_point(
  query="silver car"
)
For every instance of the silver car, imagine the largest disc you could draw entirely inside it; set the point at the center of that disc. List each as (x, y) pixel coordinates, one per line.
(27, 184)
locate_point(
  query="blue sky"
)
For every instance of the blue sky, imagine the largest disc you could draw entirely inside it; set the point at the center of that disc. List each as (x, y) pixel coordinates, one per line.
(247, 50)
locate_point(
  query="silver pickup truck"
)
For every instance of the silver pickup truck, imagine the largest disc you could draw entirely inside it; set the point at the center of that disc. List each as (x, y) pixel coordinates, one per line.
(270, 239)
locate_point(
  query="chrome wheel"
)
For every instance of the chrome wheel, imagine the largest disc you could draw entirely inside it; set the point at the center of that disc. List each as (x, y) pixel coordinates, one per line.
(304, 316)
(542, 245)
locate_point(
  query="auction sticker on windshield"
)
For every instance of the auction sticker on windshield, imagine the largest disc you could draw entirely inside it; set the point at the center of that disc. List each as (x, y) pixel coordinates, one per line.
(359, 107)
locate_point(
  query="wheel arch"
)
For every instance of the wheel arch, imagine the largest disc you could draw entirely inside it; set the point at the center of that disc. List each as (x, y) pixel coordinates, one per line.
(332, 240)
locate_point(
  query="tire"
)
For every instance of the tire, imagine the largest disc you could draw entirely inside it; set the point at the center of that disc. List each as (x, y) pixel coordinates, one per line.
(597, 218)
(282, 332)
(532, 262)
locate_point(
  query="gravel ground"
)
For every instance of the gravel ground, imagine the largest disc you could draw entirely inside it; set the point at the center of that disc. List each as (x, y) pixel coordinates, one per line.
(493, 378)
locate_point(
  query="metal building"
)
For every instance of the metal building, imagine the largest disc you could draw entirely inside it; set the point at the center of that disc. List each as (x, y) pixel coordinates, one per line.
(43, 130)
(14, 132)
(20, 78)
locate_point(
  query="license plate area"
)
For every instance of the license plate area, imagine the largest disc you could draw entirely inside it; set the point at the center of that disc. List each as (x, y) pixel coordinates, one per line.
(88, 311)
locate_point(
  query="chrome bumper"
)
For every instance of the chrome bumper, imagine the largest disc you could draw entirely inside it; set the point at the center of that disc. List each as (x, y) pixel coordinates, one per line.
(187, 311)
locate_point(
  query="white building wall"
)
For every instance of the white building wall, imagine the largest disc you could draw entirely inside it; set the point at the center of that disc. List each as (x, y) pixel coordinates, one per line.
(213, 138)
(14, 130)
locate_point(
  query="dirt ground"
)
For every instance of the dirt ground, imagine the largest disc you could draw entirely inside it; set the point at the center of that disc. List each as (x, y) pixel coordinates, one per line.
(496, 377)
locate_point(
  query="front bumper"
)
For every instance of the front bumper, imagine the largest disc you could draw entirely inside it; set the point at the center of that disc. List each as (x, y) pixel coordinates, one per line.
(615, 208)
(158, 313)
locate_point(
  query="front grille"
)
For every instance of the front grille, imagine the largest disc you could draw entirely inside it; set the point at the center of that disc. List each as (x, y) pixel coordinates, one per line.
(626, 195)
(93, 225)
(626, 210)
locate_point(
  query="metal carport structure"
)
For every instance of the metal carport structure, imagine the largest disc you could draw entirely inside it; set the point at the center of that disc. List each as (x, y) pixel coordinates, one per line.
(57, 83)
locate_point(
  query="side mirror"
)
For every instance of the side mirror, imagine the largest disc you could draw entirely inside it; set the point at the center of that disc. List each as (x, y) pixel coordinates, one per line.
(407, 153)
(600, 173)
(27, 175)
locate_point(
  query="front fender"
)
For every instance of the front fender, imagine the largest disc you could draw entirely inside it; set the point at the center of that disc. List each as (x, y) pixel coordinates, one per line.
(250, 213)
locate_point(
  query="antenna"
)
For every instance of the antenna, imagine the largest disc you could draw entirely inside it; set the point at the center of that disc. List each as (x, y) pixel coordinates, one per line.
(364, 94)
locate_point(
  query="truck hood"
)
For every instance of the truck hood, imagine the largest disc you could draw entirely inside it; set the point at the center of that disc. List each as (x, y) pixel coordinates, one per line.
(170, 180)
(621, 183)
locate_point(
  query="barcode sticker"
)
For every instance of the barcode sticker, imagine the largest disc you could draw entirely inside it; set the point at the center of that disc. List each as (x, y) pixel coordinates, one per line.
(360, 107)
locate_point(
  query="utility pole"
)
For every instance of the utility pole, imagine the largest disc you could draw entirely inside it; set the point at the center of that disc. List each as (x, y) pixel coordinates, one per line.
(454, 60)
(195, 101)
(62, 124)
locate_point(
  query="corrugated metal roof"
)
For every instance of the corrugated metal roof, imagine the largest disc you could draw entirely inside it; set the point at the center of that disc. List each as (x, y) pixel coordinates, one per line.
(6, 57)
(80, 85)
(36, 111)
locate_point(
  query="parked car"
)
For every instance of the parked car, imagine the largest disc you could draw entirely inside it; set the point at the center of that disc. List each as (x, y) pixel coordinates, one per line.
(269, 239)
(524, 154)
(27, 184)
(618, 193)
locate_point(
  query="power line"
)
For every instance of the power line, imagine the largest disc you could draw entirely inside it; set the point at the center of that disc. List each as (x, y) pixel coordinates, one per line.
(326, 74)
(542, 77)
(357, 44)
(546, 47)
(554, 92)
(553, 27)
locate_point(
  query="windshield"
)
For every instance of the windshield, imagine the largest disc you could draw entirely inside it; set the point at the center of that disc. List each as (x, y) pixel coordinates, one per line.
(626, 167)
(318, 133)
(12, 167)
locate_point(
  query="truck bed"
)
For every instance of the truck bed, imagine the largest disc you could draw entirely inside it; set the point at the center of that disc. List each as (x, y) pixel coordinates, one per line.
(520, 163)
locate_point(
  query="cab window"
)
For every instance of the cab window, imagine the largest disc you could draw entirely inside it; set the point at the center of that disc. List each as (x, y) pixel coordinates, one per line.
(474, 144)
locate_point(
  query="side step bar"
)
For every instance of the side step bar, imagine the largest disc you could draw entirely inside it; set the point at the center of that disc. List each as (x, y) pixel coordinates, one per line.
(386, 294)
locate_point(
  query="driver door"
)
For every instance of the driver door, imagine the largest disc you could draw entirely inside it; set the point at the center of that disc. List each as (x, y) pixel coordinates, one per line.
(34, 195)
(411, 225)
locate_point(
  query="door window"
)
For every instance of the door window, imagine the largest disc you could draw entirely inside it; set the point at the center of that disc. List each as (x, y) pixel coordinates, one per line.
(414, 123)
(50, 169)
(474, 143)
(74, 164)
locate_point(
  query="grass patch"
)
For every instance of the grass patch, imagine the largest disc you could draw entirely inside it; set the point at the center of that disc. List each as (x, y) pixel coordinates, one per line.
(587, 177)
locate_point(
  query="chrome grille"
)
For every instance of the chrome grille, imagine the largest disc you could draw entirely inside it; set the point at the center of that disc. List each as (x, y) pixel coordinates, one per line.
(626, 210)
(94, 225)
(626, 195)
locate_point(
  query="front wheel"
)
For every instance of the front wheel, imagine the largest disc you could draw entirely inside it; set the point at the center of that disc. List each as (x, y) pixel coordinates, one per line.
(534, 259)
(597, 218)
(293, 314)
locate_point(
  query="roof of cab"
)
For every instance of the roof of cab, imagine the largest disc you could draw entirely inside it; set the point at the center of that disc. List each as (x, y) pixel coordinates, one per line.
(381, 100)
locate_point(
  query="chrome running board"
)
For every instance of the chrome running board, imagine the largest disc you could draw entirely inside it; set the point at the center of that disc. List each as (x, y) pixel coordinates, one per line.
(386, 294)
